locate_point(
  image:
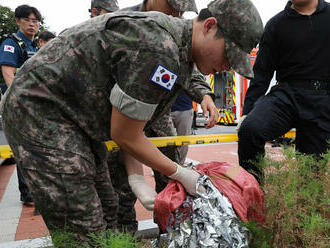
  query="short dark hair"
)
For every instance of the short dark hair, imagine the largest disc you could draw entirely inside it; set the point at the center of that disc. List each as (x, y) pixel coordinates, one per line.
(203, 15)
(23, 11)
(46, 35)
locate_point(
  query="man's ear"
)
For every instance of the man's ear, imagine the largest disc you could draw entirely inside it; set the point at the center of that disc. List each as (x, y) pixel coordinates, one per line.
(40, 43)
(17, 21)
(209, 23)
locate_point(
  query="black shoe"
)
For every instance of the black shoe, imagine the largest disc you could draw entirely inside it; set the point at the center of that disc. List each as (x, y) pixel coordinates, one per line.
(8, 161)
(36, 212)
(27, 201)
(127, 228)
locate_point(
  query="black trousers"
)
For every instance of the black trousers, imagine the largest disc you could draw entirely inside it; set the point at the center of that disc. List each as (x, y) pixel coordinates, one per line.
(23, 188)
(274, 114)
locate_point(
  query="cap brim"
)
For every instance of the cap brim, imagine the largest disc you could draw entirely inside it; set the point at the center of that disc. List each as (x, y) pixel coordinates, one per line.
(191, 6)
(110, 10)
(239, 60)
(193, 9)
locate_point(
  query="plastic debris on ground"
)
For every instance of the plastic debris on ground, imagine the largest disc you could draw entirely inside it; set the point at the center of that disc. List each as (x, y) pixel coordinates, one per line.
(205, 221)
(214, 218)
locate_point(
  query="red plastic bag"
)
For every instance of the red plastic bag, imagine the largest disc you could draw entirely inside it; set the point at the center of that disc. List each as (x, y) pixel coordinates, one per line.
(239, 186)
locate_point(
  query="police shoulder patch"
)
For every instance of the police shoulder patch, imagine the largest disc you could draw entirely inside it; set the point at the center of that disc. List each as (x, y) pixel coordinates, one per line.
(8, 48)
(163, 77)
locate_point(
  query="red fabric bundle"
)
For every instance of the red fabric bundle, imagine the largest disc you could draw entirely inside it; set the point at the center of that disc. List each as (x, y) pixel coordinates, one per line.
(239, 186)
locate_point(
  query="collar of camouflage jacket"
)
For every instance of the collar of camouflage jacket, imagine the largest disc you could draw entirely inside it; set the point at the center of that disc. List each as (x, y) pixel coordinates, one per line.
(185, 49)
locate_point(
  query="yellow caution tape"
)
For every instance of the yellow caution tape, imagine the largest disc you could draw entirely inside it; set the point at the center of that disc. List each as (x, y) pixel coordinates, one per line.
(290, 134)
(184, 140)
(5, 151)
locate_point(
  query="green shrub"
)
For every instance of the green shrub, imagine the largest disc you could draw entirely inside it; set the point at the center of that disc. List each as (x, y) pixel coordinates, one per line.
(297, 202)
(106, 239)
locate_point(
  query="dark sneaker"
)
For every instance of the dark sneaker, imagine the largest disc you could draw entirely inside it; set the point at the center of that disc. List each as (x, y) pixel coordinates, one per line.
(8, 161)
(36, 212)
(128, 228)
(27, 201)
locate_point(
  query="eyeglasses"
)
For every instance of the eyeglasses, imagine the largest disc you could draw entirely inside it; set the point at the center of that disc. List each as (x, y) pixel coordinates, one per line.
(34, 21)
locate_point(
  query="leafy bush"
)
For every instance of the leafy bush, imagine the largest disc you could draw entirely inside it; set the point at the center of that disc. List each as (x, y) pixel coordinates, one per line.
(106, 239)
(297, 202)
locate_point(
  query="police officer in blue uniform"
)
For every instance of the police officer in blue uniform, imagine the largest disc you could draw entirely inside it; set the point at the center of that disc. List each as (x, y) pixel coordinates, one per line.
(14, 51)
(18, 47)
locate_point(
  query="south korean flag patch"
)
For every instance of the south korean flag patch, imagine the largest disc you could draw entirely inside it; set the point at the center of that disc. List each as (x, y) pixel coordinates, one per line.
(8, 48)
(164, 77)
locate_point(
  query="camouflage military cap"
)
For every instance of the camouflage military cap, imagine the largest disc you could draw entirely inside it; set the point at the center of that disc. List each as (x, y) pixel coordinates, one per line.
(183, 5)
(109, 5)
(241, 26)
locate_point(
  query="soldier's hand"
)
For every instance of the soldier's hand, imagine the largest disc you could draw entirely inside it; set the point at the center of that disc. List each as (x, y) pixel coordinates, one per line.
(209, 107)
(142, 190)
(188, 178)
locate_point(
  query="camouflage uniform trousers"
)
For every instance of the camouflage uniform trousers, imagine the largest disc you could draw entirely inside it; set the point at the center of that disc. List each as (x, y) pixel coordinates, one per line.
(126, 212)
(82, 201)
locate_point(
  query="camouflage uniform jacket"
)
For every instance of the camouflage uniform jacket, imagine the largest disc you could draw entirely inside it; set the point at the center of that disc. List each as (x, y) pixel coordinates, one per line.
(67, 90)
(198, 87)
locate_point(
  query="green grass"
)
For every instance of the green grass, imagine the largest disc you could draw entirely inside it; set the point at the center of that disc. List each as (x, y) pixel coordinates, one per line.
(63, 239)
(106, 239)
(111, 240)
(297, 201)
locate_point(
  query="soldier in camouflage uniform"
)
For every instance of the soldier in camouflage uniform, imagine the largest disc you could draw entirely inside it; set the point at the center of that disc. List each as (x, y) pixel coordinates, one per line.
(198, 90)
(106, 77)
(174, 8)
(100, 7)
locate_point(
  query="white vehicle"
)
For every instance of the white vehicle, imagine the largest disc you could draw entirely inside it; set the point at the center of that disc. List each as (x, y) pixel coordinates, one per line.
(201, 121)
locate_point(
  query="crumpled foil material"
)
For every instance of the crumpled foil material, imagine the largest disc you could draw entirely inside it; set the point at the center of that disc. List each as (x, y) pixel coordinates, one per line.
(205, 221)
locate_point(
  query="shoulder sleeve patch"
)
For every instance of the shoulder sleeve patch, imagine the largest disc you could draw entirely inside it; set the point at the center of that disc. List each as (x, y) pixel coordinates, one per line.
(8, 48)
(163, 77)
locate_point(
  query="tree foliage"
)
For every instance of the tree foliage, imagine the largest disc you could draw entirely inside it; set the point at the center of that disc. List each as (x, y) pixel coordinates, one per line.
(7, 22)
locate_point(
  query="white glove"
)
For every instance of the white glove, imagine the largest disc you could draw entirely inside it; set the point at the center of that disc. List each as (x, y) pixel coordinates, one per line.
(142, 190)
(240, 122)
(188, 178)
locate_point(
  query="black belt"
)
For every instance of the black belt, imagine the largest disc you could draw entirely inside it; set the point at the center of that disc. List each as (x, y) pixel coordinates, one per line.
(309, 84)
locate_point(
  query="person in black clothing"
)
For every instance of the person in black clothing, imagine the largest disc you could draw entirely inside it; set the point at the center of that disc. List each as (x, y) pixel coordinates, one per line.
(295, 44)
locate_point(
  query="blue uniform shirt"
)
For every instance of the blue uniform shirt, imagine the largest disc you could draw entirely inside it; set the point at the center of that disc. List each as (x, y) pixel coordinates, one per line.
(12, 54)
(182, 103)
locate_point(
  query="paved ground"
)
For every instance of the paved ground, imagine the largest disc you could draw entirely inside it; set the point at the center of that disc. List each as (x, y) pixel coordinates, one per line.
(216, 130)
(20, 228)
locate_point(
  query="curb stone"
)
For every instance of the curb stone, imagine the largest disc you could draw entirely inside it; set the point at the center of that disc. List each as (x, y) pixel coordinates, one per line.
(146, 229)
